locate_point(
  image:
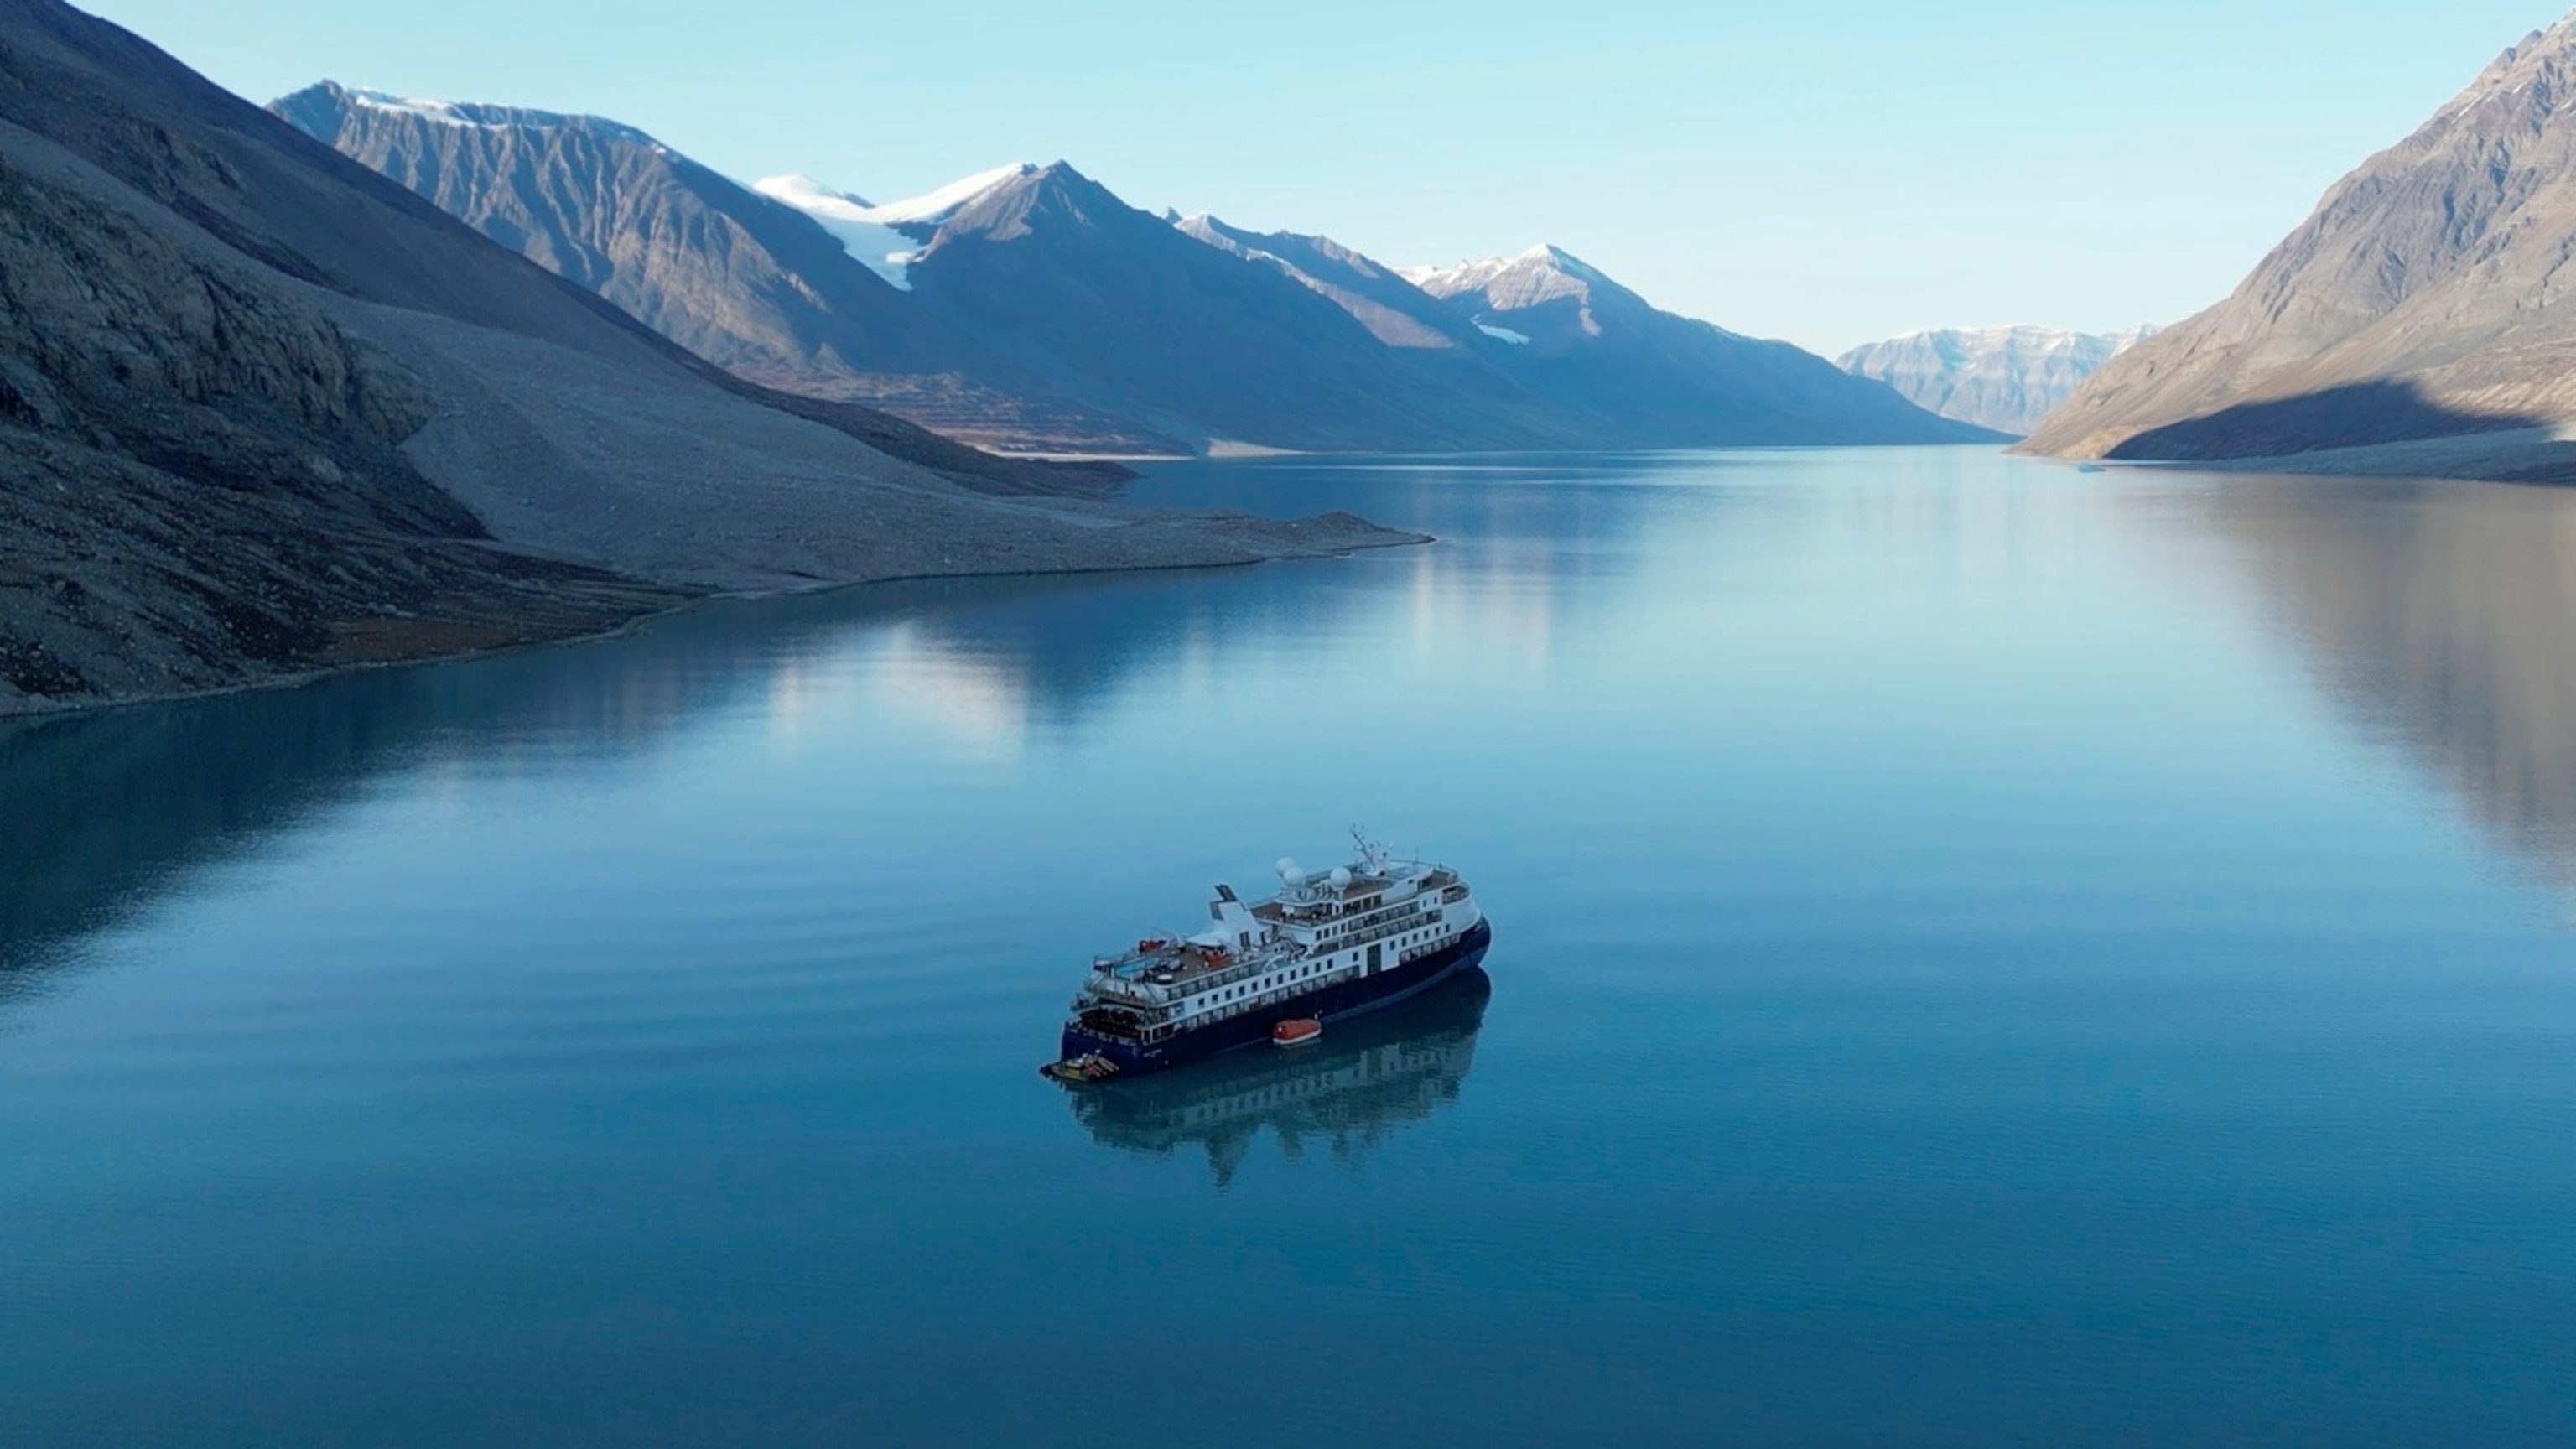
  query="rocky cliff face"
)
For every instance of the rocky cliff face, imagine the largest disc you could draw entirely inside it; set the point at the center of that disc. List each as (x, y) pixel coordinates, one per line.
(2004, 378)
(1582, 340)
(201, 481)
(2428, 296)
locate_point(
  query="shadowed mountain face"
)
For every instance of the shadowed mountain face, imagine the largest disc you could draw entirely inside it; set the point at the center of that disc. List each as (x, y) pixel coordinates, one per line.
(202, 480)
(1394, 310)
(2005, 378)
(1591, 351)
(2356, 415)
(2437, 268)
(1139, 316)
(1585, 342)
(747, 282)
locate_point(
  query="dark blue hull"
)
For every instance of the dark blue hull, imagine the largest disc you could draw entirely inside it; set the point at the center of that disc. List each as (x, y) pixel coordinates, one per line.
(1336, 1002)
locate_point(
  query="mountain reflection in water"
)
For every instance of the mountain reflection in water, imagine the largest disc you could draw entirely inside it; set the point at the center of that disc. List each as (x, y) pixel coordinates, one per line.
(2441, 617)
(1367, 1078)
(110, 811)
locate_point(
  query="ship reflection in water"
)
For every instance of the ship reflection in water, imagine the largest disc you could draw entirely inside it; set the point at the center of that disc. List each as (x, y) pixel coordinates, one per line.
(1367, 1078)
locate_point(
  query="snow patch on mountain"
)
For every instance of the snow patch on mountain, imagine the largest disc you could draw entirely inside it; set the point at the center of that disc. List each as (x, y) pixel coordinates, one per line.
(887, 238)
(446, 113)
(465, 113)
(1504, 334)
(935, 207)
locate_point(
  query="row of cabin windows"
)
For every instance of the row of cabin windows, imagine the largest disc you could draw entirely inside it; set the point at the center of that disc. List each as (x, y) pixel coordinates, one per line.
(1250, 987)
(1301, 973)
(1346, 927)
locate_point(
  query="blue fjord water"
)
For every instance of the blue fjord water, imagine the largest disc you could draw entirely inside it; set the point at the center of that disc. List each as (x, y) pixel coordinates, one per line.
(1986, 955)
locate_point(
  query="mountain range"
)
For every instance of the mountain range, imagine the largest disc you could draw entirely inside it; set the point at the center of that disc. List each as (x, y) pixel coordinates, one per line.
(2005, 378)
(2417, 322)
(1031, 308)
(264, 411)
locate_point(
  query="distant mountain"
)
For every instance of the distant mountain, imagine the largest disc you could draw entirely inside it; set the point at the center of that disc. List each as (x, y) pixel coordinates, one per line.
(1583, 341)
(1028, 306)
(2005, 378)
(1022, 307)
(2425, 299)
(1701, 385)
(1195, 339)
(745, 280)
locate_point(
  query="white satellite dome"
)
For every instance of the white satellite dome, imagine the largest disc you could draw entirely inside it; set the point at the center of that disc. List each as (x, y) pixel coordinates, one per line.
(1289, 871)
(1341, 877)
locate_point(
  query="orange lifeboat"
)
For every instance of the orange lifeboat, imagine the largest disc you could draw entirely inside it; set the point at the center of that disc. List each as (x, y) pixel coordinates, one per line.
(1300, 1031)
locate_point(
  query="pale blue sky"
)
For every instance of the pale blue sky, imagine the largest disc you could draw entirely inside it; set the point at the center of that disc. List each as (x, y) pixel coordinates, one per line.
(1830, 171)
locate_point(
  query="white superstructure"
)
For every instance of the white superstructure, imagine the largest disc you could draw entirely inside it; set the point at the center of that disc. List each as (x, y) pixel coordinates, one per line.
(1329, 935)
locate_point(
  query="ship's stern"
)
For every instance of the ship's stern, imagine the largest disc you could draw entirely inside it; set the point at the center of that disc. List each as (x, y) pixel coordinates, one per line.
(1132, 1058)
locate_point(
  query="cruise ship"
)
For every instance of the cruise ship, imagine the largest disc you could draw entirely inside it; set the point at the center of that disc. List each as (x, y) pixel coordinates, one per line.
(1329, 946)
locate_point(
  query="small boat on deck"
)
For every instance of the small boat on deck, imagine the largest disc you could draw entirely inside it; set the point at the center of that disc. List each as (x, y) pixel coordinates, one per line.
(1088, 1067)
(1297, 1032)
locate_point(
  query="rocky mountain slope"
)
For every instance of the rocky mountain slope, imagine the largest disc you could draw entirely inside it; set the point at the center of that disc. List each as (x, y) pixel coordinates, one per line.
(1378, 297)
(748, 282)
(2004, 378)
(1137, 318)
(2426, 299)
(263, 411)
(1583, 341)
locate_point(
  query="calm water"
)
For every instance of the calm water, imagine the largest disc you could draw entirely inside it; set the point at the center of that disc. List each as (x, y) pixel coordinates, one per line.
(1985, 955)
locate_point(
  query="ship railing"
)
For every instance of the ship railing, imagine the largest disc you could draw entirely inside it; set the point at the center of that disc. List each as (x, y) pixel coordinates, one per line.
(1234, 971)
(1272, 998)
(1392, 926)
(1400, 917)
(1143, 993)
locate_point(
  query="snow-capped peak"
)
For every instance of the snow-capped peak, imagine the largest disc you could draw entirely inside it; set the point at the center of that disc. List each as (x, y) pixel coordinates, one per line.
(1538, 262)
(885, 238)
(1557, 258)
(937, 206)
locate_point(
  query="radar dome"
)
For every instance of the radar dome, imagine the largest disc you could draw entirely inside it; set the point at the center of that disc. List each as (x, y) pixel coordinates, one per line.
(1289, 872)
(1341, 877)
